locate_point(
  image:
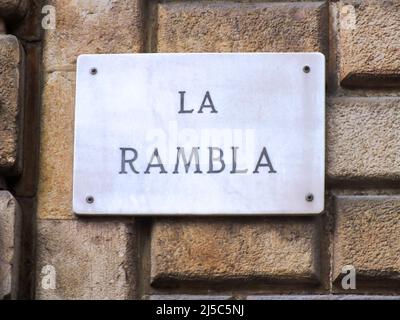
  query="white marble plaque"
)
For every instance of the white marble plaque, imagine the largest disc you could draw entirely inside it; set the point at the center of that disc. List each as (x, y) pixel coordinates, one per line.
(200, 134)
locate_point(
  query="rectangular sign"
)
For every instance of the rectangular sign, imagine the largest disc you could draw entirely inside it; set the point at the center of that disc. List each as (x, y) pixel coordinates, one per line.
(201, 134)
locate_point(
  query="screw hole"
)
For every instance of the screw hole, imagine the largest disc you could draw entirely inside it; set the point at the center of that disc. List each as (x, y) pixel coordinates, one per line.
(309, 197)
(89, 199)
(306, 69)
(93, 71)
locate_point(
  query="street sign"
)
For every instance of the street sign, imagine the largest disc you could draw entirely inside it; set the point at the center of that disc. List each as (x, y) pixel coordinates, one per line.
(200, 134)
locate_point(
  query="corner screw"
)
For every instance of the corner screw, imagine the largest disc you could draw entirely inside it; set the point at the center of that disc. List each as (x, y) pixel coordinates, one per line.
(89, 199)
(306, 69)
(93, 71)
(309, 197)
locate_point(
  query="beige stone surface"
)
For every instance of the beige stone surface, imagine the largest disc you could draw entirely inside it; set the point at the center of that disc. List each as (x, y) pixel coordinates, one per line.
(95, 259)
(100, 26)
(197, 26)
(244, 249)
(367, 236)
(56, 148)
(11, 89)
(85, 260)
(82, 27)
(363, 138)
(9, 245)
(369, 43)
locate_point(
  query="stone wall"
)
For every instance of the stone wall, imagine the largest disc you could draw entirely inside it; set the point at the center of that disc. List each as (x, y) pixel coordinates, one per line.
(231, 257)
(16, 219)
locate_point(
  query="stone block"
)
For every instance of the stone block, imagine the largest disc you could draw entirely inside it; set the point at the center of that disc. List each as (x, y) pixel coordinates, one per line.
(56, 147)
(85, 260)
(223, 26)
(10, 223)
(100, 26)
(363, 139)
(367, 236)
(246, 249)
(368, 43)
(11, 99)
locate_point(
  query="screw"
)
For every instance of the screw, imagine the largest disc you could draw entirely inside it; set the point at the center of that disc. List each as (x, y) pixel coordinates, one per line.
(93, 71)
(306, 69)
(89, 199)
(309, 197)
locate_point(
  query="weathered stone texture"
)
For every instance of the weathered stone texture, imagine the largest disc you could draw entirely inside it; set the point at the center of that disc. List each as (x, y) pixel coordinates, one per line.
(363, 138)
(226, 26)
(212, 250)
(96, 259)
(30, 28)
(89, 260)
(14, 9)
(367, 236)
(9, 245)
(11, 90)
(82, 27)
(369, 43)
(101, 26)
(56, 155)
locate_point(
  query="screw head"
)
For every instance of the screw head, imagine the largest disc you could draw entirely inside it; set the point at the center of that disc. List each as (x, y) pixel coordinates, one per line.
(93, 71)
(90, 199)
(309, 197)
(306, 69)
